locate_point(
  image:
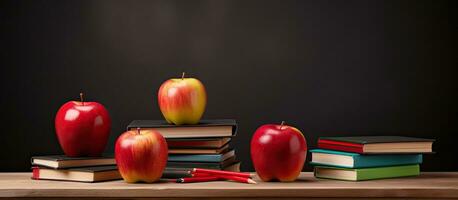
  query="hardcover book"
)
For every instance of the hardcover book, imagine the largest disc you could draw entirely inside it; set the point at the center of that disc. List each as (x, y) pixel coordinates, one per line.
(198, 143)
(366, 173)
(355, 160)
(201, 157)
(223, 149)
(83, 174)
(206, 165)
(377, 144)
(205, 128)
(62, 161)
(235, 167)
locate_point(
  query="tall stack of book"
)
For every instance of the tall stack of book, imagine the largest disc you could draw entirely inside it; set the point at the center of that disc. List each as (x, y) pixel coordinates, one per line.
(81, 169)
(369, 157)
(203, 145)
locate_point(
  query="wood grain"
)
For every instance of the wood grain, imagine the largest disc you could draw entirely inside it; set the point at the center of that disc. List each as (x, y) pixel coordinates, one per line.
(428, 185)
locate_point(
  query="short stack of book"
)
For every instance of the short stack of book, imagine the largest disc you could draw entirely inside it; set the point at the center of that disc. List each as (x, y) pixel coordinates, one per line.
(369, 157)
(81, 169)
(204, 145)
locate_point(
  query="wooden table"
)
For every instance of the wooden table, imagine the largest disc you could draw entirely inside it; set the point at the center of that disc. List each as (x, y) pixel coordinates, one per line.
(432, 185)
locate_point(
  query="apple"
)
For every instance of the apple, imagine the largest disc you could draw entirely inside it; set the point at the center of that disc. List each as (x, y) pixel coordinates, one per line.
(82, 128)
(278, 152)
(182, 100)
(141, 156)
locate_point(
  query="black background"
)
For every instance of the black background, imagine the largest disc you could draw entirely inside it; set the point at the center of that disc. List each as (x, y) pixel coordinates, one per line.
(326, 67)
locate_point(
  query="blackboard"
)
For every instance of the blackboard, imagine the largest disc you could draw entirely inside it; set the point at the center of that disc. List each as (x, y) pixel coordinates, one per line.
(326, 67)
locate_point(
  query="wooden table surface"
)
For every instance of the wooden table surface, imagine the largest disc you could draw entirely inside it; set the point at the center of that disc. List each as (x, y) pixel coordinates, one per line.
(431, 185)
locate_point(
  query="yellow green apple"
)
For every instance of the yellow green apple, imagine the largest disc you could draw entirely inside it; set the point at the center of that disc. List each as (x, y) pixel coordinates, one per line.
(182, 100)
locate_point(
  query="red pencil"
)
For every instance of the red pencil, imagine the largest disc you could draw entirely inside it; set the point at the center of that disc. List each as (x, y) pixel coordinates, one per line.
(221, 172)
(198, 179)
(227, 177)
(237, 179)
(201, 175)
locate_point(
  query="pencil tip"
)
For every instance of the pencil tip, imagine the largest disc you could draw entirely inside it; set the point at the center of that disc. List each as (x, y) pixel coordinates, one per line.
(250, 181)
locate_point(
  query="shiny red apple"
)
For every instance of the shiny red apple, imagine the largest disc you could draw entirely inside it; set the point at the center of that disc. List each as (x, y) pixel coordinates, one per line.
(182, 100)
(278, 152)
(82, 128)
(141, 156)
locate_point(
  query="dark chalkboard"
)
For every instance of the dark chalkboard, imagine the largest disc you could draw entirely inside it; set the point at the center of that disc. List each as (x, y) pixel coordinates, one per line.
(327, 67)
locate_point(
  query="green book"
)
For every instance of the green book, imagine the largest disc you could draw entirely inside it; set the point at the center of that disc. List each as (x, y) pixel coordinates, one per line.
(366, 173)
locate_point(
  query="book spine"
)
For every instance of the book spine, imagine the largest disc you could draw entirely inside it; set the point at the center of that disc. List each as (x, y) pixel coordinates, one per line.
(194, 165)
(388, 172)
(195, 158)
(340, 148)
(340, 143)
(363, 161)
(35, 173)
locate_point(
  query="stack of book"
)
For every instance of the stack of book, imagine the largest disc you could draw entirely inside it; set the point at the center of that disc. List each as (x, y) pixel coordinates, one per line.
(204, 145)
(82, 169)
(369, 157)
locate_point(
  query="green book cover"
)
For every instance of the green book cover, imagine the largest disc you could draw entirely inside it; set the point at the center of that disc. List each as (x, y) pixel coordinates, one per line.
(366, 173)
(365, 161)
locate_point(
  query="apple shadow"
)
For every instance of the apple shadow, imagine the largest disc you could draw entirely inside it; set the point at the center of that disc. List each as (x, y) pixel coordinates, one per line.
(161, 181)
(297, 180)
(305, 180)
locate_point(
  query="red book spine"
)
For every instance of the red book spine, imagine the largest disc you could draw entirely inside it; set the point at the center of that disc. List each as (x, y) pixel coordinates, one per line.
(35, 173)
(340, 146)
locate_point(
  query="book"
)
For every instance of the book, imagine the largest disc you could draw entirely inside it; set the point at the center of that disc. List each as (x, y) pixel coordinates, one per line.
(201, 157)
(377, 144)
(355, 160)
(233, 167)
(81, 174)
(205, 128)
(62, 161)
(224, 149)
(366, 173)
(202, 143)
(206, 165)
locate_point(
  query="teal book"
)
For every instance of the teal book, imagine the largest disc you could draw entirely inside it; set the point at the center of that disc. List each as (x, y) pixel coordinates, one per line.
(214, 158)
(206, 165)
(355, 160)
(366, 173)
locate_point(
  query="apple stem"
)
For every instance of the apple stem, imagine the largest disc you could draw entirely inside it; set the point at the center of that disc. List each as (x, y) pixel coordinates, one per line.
(182, 76)
(138, 130)
(282, 123)
(81, 98)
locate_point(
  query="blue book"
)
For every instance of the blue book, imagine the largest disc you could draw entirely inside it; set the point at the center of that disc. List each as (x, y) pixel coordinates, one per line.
(355, 160)
(200, 157)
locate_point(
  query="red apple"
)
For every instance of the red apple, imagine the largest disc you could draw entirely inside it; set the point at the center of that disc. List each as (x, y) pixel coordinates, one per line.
(141, 155)
(82, 128)
(182, 100)
(278, 152)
